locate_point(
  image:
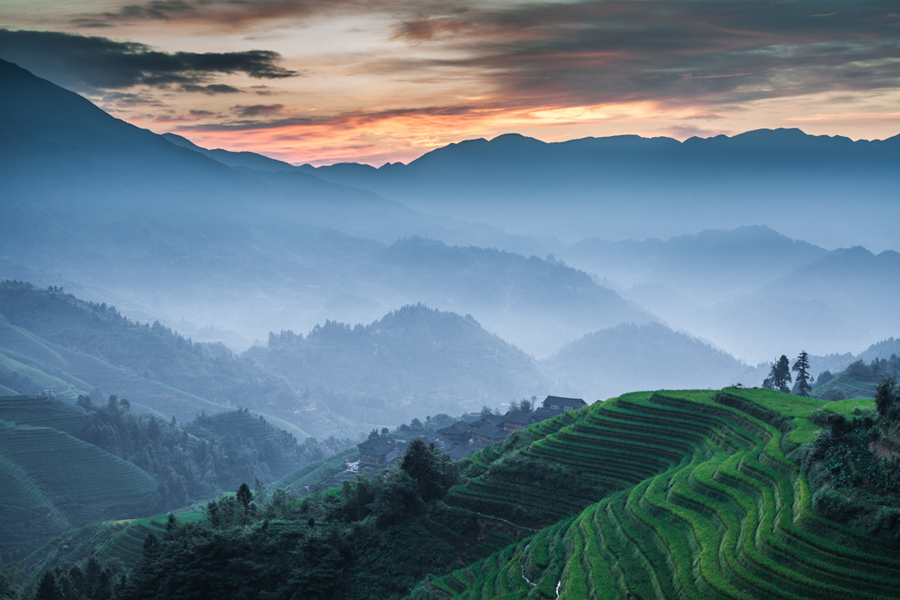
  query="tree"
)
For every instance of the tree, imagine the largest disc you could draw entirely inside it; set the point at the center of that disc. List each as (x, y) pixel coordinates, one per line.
(886, 397)
(244, 496)
(47, 588)
(260, 494)
(431, 469)
(779, 375)
(526, 406)
(373, 435)
(801, 368)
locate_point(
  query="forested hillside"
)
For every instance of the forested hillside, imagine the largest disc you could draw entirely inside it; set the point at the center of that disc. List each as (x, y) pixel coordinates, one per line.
(413, 362)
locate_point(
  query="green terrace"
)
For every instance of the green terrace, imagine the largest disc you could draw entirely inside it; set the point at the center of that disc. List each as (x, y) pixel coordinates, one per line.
(120, 540)
(678, 495)
(55, 481)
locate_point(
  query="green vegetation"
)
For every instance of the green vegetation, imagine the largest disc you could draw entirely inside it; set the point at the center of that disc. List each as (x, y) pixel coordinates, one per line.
(711, 506)
(49, 339)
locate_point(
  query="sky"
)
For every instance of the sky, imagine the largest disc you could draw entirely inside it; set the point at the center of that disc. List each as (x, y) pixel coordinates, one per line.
(376, 81)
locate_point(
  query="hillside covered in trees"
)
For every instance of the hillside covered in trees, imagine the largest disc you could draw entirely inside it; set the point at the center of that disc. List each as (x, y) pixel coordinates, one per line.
(411, 363)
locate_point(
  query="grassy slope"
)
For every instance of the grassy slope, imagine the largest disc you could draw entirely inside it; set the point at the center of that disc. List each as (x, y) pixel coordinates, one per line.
(708, 506)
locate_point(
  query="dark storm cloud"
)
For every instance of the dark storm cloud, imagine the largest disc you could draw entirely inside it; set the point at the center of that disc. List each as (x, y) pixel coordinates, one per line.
(615, 51)
(96, 63)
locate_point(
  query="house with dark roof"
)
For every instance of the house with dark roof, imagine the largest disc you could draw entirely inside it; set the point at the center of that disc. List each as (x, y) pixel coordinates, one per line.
(543, 413)
(485, 435)
(515, 420)
(378, 452)
(564, 404)
(493, 420)
(459, 451)
(458, 433)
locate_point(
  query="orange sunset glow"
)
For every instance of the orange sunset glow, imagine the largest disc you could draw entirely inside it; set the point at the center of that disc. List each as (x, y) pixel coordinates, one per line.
(387, 81)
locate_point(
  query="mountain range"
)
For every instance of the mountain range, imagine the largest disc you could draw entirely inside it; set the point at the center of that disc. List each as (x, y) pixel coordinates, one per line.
(231, 246)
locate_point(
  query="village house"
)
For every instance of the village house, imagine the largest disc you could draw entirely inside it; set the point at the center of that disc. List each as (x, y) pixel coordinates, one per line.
(486, 434)
(377, 453)
(515, 420)
(458, 433)
(564, 404)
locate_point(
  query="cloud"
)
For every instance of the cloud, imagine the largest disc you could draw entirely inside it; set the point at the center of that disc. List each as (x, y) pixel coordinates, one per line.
(210, 90)
(673, 51)
(92, 64)
(257, 110)
(235, 14)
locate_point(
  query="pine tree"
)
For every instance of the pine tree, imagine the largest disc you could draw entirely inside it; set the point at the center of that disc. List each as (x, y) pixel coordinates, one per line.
(48, 589)
(801, 367)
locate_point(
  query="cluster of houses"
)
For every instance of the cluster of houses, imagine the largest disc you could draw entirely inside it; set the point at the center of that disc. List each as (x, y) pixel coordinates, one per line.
(464, 437)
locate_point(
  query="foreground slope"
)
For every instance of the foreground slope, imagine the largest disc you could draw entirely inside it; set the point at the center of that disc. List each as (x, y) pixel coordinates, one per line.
(709, 506)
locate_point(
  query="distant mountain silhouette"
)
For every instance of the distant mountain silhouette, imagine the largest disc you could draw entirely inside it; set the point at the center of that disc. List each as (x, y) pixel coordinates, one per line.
(649, 357)
(627, 186)
(248, 160)
(707, 267)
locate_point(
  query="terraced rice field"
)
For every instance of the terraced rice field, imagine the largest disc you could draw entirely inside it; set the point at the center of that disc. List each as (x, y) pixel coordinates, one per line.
(53, 481)
(316, 472)
(43, 412)
(708, 507)
(122, 540)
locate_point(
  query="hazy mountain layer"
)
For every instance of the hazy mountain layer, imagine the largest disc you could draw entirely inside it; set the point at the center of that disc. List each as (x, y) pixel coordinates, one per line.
(413, 362)
(127, 214)
(604, 364)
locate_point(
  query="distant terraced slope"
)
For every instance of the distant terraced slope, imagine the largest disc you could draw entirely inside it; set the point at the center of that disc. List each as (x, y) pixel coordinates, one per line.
(51, 481)
(107, 540)
(709, 507)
